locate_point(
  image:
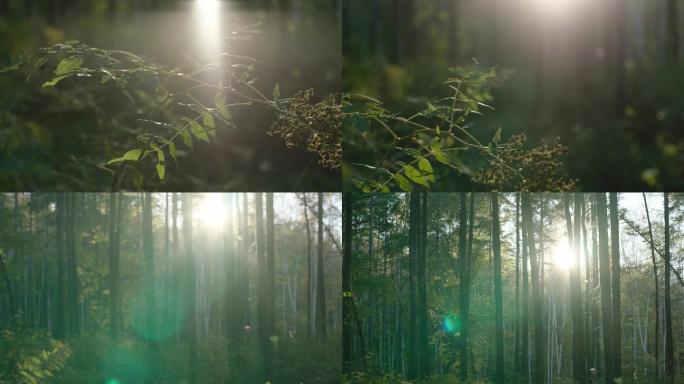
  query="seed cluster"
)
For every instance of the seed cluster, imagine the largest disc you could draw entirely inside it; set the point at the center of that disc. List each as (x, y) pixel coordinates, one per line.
(515, 168)
(318, 125)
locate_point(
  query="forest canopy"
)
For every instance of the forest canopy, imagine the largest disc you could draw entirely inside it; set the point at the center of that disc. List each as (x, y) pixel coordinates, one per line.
(513, 287)
(169, 288)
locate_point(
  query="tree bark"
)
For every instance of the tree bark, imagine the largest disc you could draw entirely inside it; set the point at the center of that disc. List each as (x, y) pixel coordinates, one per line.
(499, 376)
(605, 281)
(669, 346)
(615, 275)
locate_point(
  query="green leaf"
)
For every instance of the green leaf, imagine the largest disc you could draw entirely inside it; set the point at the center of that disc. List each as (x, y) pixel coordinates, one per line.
(441, 157)
(11, 68)
(198, 131)
(68, 65)
(160, 155)
(208, 120)
(425, 166)
(220, 101)
(161, 170)
(52, 82)
(187, 139)
(404, 184)
(414, 175)
(436, 144)
(132, 155)
(107, 76)
(172, 150)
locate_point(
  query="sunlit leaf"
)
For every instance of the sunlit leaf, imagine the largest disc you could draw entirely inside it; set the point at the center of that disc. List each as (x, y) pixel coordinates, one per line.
(198, 131)
(161, 170)
(52, 82)
(187, 139)
(68, 65)
(425, 166)
(172, 150)
(208, 120)
(414, 175)
(441, 157)
(403, 182)
(132, 155)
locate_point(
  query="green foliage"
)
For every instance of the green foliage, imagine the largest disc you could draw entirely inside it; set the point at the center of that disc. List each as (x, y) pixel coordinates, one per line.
(167, 109)
(31, 358)
(439, 140)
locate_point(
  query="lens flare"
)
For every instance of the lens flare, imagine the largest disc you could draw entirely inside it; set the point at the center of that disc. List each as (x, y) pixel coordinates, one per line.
(451, 324)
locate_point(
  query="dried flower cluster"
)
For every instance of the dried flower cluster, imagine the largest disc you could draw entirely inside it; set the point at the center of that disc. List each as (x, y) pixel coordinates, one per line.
(515, 168)
(319, 125)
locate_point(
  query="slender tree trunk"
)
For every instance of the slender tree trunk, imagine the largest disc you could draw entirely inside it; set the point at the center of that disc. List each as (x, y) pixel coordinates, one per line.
(270, 260)
(605, 281)
(114, 265)
(424, 355)
(309, 269)
(347, 295)
(499, 376)
(74, 315)
(656, 348)
(148, 250)
(615, 275)
(191, 289)
(262, 296)
(579, 368)
(669, 346)
(525, 352)
(517, 343)
(536, 298)
(321, 317)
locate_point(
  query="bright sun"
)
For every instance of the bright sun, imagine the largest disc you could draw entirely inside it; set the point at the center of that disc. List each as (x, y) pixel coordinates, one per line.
(562, 254)
(210, 211)
(209, 26)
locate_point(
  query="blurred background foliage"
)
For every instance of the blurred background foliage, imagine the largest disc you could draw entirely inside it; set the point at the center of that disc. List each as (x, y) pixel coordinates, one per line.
(54, 139)
(606, 77)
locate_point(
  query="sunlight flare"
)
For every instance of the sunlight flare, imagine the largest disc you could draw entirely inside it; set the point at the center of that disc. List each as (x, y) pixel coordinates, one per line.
(209, 27)
(210, 210)
(562, 254)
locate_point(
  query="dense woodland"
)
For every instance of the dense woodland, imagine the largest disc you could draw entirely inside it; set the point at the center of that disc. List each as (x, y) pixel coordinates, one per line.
(516, 287)
(605, 77)
(145, 68)
(169, 288)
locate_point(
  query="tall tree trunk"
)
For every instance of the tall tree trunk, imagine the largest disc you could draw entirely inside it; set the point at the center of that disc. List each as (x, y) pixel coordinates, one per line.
(524, 371)
(309, 273)
(321, 316)
(656, 348)
(270, 260)
(413, 368)
(579, 368)
(74, 318)
(669, 346)
(604, 279)
(114, 205)
(615, 275)
(517, 342)
(191, 289)
(347, 295)
(148, 251)
(499, 376)
(262, 293)
(423, 336)
(536, 297)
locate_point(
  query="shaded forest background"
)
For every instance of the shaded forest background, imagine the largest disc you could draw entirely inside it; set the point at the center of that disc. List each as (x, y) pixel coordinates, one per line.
(529, 288)
(169, 288)
(53, 139)
(605, 77)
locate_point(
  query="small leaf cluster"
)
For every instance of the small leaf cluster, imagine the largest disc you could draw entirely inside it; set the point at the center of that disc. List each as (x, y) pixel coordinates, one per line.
(439, 140)
(515, 168)
(317, 125)
(32, 359)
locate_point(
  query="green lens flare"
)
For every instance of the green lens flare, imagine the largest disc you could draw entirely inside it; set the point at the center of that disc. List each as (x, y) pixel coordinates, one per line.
(112, 381)
(451, 324)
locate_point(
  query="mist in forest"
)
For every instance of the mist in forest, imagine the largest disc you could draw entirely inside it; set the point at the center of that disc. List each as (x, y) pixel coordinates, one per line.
(513, 287)
(170, 288)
